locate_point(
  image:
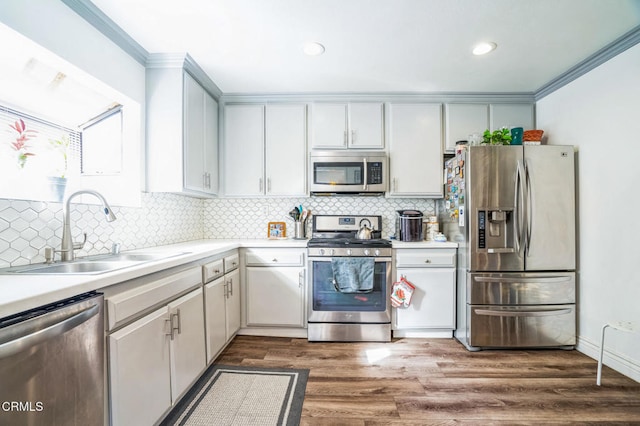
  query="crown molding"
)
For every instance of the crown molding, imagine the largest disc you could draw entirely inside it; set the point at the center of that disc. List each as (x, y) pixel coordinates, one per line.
(436, 97)
(611, 50)
(186, 62)
(90, 13)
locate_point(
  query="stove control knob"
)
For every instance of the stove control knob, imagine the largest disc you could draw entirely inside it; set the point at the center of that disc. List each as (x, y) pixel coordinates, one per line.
(377, 252)
(349, 251)
(331, 251)
(367, 252)
(321, 252)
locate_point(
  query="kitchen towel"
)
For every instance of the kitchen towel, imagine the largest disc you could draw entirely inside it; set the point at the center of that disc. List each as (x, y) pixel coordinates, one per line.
(353, 275)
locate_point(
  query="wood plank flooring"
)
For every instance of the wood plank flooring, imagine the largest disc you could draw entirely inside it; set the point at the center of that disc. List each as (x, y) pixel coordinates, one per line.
(439, 382)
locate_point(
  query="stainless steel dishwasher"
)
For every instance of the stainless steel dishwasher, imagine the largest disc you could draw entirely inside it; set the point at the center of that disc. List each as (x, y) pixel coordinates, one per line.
(52, 364)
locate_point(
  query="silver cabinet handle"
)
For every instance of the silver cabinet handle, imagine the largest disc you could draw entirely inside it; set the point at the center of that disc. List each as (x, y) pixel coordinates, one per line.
(226, 289)
(230, 286)
(346, 138)
(268, 184)
(395, 184)
(179, 327)
(300, 279)
(169, 322)
(36, 335)
(353, 136)
(260, 185)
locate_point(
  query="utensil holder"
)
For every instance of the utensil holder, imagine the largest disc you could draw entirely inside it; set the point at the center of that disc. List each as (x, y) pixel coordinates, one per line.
(298, 231)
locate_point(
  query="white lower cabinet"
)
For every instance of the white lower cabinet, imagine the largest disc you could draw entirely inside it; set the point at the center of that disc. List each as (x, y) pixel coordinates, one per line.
(432, 272)
(222, 303)
(275, 288)
(155, 359)
(155, 343)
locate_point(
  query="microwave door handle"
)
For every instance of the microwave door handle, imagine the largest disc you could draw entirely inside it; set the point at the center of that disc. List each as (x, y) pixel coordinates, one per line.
(364, 186)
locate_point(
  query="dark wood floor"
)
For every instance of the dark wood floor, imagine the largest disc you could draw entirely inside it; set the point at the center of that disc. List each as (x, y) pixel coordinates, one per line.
(437, 381)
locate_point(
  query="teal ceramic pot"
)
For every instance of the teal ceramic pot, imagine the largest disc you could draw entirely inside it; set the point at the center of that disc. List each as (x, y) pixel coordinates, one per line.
(516, 136)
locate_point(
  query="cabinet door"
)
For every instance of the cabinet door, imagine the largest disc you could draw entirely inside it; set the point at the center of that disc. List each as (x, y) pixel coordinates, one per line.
(366, 125)
(194, 134)
(232, 304)
(463, 120)
(187, 347)
(244, 150)
(210, 149)
(286, 149)
(329, 125)
(139, 370)
(433, 301)
(215, 317)
(415, 150)
(275, 296)
(512, 115)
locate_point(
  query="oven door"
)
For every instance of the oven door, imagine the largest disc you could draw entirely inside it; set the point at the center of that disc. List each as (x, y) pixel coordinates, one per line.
(329, 305)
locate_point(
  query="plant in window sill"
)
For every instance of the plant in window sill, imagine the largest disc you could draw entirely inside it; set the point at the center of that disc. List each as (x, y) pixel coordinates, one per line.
(20, 142)
(61, 146)
(58, 183)
(501, 136)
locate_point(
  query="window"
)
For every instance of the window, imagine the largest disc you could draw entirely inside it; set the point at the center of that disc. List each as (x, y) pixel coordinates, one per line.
(102, 144)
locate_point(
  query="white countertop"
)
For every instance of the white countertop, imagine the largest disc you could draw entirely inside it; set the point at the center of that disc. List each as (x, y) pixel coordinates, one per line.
(423, 244)
(20, 291)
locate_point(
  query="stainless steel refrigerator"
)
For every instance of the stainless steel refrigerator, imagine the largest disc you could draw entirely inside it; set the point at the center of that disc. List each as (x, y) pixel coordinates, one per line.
(513, 213)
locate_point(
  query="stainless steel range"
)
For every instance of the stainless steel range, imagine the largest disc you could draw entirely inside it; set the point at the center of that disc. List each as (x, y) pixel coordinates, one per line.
(350, 280)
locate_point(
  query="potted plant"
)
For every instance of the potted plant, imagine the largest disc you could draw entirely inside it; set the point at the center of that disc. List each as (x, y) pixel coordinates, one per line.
(20, 143)
(58, 182)
(501, 136)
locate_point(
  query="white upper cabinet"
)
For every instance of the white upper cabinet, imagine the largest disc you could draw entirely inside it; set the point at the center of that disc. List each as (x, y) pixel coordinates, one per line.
(462, 120)
(265, 150)
(243, 150)
(200, 138)
(286, 148)
(347, 125)
(182, 133)
(512, 115)
(415, 150)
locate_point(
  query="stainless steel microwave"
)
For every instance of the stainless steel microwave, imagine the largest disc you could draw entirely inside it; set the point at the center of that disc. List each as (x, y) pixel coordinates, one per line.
(348, 172)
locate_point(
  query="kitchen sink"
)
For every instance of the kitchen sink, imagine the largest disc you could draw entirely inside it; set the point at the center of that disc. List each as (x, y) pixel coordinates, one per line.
(74, 268)
(98, 264)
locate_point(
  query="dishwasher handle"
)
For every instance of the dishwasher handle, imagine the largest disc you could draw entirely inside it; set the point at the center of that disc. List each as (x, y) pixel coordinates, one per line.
(34, 336)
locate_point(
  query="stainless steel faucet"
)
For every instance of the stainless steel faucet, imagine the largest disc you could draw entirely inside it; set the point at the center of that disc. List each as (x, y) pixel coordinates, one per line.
(68, 246)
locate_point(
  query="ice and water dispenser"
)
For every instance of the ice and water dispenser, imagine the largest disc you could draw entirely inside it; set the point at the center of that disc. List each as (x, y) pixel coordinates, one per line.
(495, 231)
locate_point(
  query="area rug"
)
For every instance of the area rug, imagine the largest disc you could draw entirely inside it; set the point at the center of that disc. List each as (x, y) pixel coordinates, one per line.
(230, 395)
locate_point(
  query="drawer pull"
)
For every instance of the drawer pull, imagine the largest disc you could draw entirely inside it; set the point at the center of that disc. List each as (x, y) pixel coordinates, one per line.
(427, 261)
(274, 260)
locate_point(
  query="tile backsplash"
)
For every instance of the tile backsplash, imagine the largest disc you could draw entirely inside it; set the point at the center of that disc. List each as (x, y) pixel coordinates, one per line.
(27, 227)
(248, 217)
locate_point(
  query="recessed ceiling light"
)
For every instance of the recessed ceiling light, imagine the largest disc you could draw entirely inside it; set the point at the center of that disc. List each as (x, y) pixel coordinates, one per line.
(313, 48)
(484, 48)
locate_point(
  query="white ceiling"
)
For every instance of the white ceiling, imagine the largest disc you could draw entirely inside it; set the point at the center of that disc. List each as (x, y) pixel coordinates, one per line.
(255, 46)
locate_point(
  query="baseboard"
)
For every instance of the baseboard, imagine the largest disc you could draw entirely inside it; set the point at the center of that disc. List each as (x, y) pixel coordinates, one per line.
(620, 363)
(274, 332)
(430, 334)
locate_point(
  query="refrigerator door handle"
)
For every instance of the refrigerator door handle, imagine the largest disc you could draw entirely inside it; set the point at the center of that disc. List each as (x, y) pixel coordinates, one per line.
(519, 208)
(532, 313)
(546, 279)
(529, 201)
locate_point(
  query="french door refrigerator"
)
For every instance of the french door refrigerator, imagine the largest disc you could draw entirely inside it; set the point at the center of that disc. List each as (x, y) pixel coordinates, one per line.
(513, 209)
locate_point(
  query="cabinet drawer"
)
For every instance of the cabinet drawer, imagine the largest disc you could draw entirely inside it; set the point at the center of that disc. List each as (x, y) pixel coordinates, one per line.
(212, 270)
(426, 258)
(125, 305)
(231, 262)
(274, 257)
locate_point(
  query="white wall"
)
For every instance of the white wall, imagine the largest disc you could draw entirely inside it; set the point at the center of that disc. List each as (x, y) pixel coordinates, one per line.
(599, 113)
(56, 27)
